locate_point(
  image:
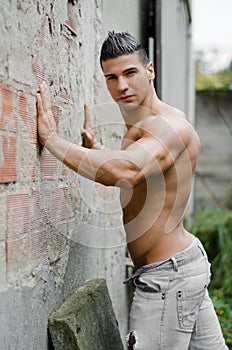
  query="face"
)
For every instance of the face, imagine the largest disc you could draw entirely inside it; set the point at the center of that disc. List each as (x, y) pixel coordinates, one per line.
(128, 81)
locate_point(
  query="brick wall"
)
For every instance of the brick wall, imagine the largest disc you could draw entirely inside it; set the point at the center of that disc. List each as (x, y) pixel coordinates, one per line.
(57, 230)
(39, 43)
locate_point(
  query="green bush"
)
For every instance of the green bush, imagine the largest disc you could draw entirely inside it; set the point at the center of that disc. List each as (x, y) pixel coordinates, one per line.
(224, 312)
(214, 229)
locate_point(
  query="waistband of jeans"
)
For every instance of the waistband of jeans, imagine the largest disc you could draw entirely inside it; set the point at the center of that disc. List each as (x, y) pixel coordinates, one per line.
(191, 253)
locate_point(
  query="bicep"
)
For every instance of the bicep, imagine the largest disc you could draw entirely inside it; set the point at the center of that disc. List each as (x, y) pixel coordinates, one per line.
(148, 155)
(154, 155)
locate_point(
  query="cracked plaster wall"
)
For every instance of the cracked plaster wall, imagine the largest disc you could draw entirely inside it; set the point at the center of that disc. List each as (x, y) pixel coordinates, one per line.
(57, 229)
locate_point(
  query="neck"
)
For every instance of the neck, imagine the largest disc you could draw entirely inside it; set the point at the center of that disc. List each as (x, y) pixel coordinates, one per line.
(133, 114)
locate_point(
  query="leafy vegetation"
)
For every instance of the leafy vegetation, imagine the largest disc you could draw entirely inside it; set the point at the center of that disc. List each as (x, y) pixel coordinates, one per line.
(208, 80)
(224, 311)
(214, 229)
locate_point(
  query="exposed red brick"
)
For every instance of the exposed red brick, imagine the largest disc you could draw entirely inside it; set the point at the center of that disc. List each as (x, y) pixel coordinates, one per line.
(7, 158)
(48, 166)
(23, 108)
(39, 205)
(29, 129)
(8, 119)
(58, 208)
(8, 128)
(50, 205)
(49, 224)
(18, 215)
(42, 32)
(15, 104)
(29, 121)
(56, 112)
(39, 71)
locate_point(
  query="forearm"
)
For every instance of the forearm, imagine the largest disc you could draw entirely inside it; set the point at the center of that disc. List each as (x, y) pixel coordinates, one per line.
(108, 167)
(123, 168)
(67, 152)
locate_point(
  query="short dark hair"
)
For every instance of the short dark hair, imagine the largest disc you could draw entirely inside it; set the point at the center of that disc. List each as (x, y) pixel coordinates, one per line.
(119, 44)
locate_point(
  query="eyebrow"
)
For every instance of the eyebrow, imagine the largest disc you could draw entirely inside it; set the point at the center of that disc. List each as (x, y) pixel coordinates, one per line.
(124, 72)
(129, 69)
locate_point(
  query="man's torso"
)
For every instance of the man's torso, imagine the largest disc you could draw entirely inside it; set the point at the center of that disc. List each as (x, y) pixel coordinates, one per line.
(153, 211)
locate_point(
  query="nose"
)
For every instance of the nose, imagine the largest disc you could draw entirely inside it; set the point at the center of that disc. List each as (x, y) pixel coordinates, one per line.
(122, 85)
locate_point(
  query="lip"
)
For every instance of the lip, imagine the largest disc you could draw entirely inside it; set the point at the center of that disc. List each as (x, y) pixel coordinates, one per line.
(126, 98)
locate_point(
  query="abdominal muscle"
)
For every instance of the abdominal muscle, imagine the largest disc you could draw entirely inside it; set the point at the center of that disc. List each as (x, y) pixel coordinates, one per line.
(152, 216)
(155, 246)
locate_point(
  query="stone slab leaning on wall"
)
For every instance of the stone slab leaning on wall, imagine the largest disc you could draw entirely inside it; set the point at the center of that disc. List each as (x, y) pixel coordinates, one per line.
(86, 320)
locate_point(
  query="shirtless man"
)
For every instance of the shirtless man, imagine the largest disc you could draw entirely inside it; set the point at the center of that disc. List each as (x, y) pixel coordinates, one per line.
(154, 170)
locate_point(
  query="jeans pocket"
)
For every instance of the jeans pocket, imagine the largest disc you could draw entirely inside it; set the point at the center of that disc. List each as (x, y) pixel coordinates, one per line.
(188, 304)
(153, 287)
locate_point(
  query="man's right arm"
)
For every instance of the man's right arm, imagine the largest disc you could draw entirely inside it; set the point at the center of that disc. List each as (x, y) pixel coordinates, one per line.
(123, 168)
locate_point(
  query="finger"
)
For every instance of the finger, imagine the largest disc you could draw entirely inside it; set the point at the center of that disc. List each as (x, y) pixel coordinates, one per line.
(39, 105)
(83, 132)
(87, 122)
(86, 134)
(45, 96)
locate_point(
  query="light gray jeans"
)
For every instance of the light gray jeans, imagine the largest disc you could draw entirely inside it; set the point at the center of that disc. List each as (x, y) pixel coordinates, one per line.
(171, 308)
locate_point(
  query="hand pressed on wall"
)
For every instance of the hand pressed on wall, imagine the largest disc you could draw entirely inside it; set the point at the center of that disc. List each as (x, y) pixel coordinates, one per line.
(45, 121)
(89, 139)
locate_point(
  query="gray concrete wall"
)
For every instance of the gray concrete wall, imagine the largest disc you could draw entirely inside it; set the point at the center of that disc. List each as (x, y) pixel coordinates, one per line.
(215, 162)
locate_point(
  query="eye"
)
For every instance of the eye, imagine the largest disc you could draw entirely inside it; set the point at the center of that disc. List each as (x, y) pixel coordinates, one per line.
(110, 77)
(130, 73)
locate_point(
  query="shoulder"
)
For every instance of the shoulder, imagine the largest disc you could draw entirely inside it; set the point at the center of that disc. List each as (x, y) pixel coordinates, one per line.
(170, 129)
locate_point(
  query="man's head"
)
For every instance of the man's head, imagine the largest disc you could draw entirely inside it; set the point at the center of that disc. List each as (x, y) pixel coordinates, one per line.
(119, 44)
(127, 70)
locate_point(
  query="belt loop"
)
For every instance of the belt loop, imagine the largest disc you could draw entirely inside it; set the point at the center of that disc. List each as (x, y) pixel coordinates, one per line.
(175, 265)
(202, 250)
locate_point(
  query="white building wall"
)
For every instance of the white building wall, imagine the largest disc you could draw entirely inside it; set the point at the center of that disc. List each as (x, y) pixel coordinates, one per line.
(177, 81)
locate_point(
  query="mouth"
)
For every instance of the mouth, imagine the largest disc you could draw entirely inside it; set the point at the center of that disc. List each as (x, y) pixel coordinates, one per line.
(126, 98)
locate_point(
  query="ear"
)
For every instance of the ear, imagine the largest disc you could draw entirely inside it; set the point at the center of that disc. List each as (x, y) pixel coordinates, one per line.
(150, 71)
